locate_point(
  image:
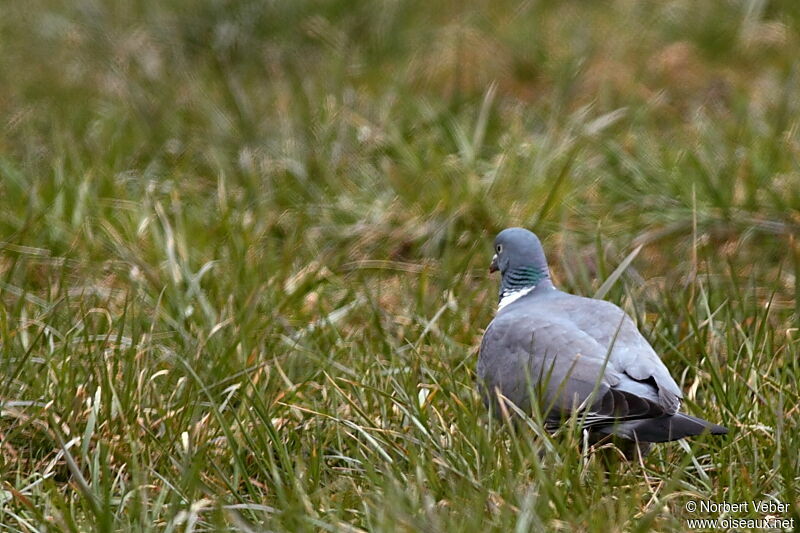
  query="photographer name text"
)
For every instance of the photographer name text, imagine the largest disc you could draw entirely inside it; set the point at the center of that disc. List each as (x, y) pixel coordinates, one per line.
(752, 506)
(768, 515)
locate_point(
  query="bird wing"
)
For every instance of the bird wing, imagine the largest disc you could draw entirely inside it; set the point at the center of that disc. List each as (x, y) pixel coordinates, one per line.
(611, 327)
(525, 351)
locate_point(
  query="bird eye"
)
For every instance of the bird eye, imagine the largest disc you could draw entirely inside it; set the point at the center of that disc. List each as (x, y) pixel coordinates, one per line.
(499, 248)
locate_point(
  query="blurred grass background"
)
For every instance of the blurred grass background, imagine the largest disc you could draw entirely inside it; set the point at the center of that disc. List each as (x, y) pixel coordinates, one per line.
(244, 251)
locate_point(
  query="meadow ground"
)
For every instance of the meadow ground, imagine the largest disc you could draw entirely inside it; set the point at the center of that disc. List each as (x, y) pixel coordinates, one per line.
(244, 251)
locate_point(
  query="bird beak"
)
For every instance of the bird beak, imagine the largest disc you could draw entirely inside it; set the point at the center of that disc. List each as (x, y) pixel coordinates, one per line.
(493, 267)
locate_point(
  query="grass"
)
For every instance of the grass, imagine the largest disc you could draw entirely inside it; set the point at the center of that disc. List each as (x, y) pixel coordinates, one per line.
(243, 254)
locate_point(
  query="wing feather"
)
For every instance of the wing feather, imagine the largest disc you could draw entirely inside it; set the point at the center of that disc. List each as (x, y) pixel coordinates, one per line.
(631, 353)
(527, 352)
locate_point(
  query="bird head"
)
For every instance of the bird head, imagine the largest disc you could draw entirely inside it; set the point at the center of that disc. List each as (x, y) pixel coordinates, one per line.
(517, 247)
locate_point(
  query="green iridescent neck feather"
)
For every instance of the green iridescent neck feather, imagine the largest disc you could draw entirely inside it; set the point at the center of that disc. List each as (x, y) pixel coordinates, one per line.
(522, 278)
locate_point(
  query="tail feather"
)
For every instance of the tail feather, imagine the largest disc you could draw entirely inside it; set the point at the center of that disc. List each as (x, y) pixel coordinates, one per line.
(664, 428)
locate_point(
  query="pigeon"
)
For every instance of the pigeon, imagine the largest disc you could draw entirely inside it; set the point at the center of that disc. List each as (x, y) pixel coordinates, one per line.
(572, 354)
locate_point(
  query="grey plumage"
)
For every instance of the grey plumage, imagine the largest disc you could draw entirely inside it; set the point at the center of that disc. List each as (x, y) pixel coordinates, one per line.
(575, 353)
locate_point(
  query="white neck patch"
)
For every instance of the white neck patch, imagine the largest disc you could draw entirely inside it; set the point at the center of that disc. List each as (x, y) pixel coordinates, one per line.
(513, 296)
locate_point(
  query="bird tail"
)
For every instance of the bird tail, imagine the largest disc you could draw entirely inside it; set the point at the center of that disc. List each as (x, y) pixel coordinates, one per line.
(664, 428)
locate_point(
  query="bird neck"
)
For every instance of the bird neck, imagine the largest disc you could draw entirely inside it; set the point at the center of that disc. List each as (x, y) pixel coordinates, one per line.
(525, 278)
